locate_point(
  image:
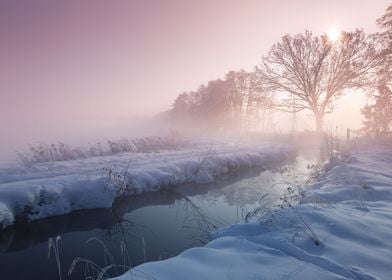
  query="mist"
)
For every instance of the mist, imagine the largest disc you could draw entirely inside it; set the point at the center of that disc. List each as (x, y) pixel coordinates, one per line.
(77, 72)
(195, 139)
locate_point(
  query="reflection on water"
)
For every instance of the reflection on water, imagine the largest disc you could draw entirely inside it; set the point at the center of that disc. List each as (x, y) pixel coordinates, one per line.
(153, 226)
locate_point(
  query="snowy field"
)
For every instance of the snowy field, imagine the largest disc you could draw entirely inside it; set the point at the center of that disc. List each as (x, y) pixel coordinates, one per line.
(340, 229)
(55, 188)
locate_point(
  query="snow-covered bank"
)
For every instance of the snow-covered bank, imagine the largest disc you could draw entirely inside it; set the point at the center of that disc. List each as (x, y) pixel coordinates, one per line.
(49, 189)
(348, 213)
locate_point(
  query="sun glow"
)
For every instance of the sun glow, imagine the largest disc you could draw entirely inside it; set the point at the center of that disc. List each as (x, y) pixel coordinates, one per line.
(334, 33)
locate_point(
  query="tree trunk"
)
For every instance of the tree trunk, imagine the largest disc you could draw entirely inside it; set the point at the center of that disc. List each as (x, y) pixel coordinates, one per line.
(319, 122)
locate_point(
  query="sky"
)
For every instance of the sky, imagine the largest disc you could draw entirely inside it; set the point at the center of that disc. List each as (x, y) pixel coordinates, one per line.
(73, 69)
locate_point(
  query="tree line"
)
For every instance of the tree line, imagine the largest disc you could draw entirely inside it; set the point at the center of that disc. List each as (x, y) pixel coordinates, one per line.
(300, 72)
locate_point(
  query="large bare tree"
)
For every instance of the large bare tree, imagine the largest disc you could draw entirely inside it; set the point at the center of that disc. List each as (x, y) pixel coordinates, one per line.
(315, 70)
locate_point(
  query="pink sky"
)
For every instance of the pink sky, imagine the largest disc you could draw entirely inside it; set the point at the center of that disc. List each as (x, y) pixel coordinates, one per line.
(71, 69)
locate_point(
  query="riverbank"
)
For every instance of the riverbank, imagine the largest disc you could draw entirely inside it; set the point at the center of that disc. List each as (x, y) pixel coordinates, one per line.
(340, 229)
(56, 188)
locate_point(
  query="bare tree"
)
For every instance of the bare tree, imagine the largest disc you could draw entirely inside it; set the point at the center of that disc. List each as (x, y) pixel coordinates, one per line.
(315, 70)
(385, 39)
(248, 100)
(258, 103)
(236, 82)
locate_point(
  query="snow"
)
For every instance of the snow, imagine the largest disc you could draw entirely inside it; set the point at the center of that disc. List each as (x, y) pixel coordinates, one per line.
(349, 210)
(48, 189)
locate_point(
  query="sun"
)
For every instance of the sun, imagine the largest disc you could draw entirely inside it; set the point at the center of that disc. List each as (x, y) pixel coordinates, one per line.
(334, 33)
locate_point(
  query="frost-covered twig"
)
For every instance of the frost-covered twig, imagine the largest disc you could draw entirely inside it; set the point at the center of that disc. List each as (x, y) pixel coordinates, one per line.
(41, 152)
(55, 245)
(93, 271)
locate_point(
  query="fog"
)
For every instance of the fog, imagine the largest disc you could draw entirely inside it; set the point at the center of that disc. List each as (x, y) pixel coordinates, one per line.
(81, 71)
